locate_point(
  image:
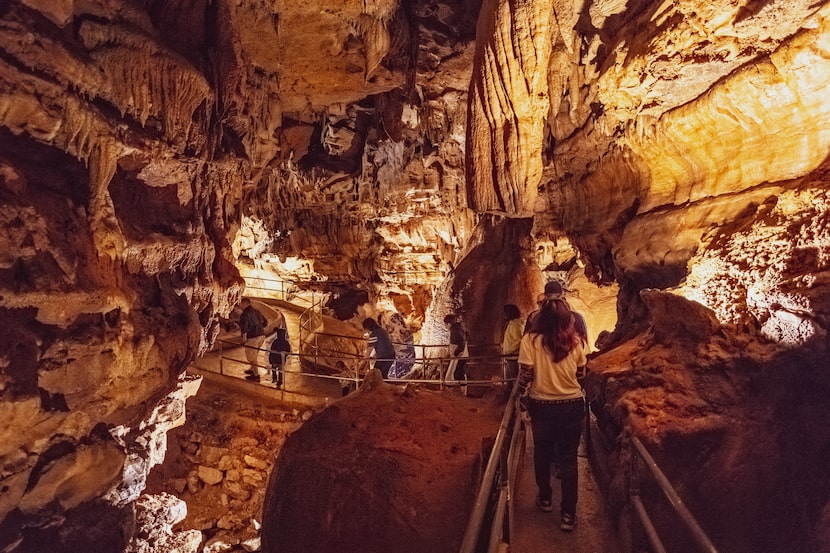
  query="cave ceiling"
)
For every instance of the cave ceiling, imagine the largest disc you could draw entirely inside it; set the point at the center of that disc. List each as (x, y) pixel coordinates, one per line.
(150, 149)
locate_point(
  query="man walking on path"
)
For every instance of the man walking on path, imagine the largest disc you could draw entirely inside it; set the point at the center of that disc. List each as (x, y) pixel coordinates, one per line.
(252, 325)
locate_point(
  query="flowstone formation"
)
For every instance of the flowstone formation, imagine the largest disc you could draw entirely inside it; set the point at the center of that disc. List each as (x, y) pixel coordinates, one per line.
(134, 135)
(732, 417)
(685, 149)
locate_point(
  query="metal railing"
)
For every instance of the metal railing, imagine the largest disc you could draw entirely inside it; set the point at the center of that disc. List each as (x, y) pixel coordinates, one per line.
(498, 484)
(357, 366)
(640, 453)
(281, 289)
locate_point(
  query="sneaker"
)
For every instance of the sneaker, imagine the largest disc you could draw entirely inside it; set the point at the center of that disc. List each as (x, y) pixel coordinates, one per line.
(545, 505)
(567, 522)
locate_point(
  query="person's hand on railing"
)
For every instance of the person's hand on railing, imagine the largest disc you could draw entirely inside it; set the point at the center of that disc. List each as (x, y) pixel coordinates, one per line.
(524, 412)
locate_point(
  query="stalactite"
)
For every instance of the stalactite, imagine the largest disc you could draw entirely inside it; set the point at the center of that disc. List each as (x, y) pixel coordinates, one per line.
(106, 231)
(145, 80)
(508, 106)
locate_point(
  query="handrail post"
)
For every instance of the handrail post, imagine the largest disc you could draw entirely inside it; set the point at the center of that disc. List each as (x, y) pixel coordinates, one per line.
(476, 519)
(504, 368)
(634, 493)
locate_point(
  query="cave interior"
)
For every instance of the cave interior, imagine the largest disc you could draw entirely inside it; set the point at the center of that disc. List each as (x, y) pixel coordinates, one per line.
(668, 161)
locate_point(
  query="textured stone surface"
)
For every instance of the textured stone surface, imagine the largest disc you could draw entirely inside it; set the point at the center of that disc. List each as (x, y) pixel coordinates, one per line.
(384, 468)
(731, 418)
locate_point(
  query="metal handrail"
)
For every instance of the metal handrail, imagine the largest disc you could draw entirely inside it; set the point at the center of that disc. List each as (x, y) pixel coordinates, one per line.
(700, 537)
(317, 356)
(498, 472)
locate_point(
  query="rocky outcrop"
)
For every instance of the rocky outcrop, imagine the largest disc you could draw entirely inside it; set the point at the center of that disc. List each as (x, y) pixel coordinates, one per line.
(213, 480)
(133, 133)
(116, 262)
(384, 468)
(730, 416)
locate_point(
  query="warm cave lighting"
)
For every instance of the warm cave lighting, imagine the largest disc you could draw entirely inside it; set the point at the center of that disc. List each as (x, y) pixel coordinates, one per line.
(292, 264)
(738, 296)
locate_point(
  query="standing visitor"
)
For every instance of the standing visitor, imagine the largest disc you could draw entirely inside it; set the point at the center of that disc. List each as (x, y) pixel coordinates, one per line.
(555, 291)
(379, 346)
(550, 356)
(276, 358)
(512, 339)
(403, 341)
(459, 352)
(252, 325)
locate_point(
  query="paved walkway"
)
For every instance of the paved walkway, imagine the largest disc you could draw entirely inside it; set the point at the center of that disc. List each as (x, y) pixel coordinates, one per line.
(228, 359)
(537, 532)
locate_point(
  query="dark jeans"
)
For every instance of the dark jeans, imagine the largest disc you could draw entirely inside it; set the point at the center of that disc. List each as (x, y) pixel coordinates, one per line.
(557, 428)
(511, 368)
(384, 366)
(460, 372)
(276, 374)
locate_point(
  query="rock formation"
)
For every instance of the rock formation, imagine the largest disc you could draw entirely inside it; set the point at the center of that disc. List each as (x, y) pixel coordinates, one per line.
(383, 469)
(421, 152)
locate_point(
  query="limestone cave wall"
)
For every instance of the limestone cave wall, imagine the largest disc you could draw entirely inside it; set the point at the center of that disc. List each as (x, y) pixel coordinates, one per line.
(685, 149)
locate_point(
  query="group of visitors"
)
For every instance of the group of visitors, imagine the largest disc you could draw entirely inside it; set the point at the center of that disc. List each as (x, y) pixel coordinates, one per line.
(547, 353)
(392, 346)
(252, 325)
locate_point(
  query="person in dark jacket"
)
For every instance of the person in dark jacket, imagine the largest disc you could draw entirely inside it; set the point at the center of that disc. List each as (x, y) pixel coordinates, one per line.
(380, 344)
(277, 354)
(554, 291)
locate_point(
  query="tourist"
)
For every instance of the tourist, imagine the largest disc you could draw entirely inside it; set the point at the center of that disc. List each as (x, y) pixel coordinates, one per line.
(550, 356)
(512, 338)
(458, 350)
(554, 291)
(277, 354)
(379, 346)
(394, 323)
(252, 325)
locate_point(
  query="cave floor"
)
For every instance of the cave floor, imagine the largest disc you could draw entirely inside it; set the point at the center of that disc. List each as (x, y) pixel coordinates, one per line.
(537, 531)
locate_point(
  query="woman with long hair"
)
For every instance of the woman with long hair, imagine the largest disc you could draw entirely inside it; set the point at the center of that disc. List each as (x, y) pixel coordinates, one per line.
(550, 356)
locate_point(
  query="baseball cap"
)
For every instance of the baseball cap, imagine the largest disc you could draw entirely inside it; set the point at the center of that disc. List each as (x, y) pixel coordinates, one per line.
(553, 290)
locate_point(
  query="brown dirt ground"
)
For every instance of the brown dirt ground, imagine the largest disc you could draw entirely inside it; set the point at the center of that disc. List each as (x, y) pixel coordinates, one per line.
(385, 463)
(389, 468)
